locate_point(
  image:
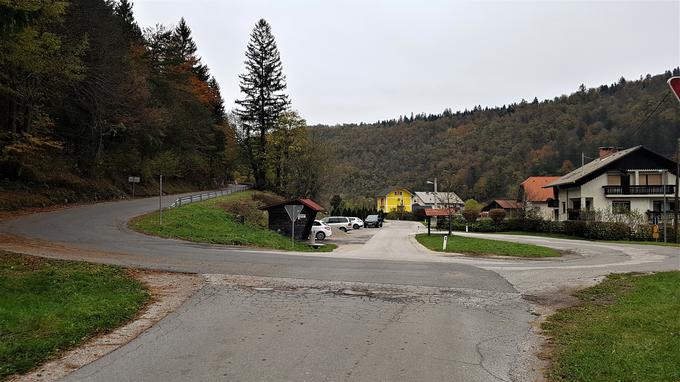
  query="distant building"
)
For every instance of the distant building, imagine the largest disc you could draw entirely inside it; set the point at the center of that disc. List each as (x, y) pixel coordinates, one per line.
(618, 181)
(510, 206)
(534, 195)
(428, 199)
(394, 199)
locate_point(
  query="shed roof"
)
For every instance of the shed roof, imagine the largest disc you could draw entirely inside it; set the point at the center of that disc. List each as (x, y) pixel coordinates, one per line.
(430, 212)
(534, 191)
(309, 203)
(507, 204)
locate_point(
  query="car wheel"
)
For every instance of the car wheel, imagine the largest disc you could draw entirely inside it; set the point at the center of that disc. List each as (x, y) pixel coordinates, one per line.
(356, 226)
(343, 229)
(320, 236)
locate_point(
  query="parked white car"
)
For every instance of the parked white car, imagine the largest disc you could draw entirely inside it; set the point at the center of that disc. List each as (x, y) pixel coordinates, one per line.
(342, 223)
(321, 230)
(356, 222)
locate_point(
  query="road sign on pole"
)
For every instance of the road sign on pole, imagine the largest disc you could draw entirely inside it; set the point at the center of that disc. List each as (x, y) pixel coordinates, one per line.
(133, 180)
(293, 211)
(674, 83)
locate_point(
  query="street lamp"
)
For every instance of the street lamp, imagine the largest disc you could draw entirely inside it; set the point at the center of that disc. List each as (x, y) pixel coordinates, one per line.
(435, 191)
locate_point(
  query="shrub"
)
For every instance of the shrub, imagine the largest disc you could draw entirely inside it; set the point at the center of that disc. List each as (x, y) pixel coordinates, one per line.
(497, 215)
(471, 215)
(644, 233)
(487, 225)
(606, 231)
(574, 228)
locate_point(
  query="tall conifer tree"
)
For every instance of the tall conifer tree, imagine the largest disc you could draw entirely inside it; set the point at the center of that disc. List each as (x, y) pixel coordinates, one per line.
(262, 85)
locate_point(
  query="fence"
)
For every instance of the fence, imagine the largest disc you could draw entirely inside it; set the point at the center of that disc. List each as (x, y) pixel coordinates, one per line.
(208, 195)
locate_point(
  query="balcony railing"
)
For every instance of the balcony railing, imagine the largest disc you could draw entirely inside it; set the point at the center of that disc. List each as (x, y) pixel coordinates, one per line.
(639, 190)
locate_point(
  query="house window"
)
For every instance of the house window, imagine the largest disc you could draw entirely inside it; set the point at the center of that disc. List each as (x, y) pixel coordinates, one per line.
(621, 206)
(650, 179)
(613, 180)
(564, 207)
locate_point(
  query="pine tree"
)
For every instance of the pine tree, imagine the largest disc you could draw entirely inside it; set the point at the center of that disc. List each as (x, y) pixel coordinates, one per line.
(263, 85)
(124, 10)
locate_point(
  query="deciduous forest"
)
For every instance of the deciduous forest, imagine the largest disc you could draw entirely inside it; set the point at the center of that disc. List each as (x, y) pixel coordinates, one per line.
(486, 152)
(88, 98)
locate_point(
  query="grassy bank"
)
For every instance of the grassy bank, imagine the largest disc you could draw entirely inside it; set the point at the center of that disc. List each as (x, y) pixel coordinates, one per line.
(47, 306)
(477, 246)
(563, 236)
(213, 221)
(625, 329)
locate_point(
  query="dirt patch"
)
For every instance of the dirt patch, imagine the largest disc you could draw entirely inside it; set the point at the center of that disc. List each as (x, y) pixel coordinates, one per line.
(168, 292)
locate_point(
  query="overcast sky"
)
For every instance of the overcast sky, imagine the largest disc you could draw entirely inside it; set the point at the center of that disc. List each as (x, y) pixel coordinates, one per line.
(364, 60)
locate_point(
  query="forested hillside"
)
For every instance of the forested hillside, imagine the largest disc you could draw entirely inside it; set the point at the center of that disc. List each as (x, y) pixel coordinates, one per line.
(487, 152)
(87, 98)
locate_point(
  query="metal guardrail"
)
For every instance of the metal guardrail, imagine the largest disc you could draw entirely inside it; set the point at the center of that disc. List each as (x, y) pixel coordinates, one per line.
(208, 195)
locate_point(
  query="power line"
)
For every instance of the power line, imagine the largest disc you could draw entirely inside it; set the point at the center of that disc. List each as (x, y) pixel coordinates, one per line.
(658, 105)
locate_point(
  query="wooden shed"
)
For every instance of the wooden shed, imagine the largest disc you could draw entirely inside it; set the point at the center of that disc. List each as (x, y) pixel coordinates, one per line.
(279, 221)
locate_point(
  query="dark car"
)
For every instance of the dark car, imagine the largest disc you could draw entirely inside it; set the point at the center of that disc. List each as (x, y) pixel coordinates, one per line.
(373, 221)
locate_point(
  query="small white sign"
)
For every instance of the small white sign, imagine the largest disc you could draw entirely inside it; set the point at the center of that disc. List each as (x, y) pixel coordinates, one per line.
(133, 179)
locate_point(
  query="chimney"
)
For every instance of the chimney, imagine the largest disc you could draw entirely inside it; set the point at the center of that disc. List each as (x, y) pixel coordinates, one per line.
(606, 151)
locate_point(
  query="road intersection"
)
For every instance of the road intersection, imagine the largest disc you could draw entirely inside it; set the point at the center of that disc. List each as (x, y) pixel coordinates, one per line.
(387, 309)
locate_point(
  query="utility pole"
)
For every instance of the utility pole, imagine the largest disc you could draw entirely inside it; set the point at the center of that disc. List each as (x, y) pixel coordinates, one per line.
(676, 238)
(160, 201)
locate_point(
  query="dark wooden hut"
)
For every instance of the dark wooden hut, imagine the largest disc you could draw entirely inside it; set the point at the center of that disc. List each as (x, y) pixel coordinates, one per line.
(280, 222)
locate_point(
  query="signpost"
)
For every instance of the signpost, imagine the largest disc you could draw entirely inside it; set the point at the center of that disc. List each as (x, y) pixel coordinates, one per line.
(293, 211)
(133, 180)
(160, 201)
(674, 83)
(446, 241)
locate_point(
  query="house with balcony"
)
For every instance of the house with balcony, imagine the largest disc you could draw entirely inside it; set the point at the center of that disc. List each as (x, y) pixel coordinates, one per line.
(617, 181)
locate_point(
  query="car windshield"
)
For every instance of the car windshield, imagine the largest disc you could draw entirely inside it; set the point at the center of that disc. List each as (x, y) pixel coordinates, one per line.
(372, 217)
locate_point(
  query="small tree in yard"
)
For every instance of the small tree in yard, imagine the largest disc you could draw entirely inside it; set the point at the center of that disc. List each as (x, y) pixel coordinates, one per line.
(497, 215)
(471, 212)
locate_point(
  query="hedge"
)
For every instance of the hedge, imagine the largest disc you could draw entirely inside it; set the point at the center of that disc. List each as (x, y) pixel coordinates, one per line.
(594, 230)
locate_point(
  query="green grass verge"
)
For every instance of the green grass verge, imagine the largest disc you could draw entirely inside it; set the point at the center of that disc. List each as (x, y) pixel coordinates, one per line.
(208, 222)
(477, 246)
(625, 329)
(563, 236)
(47, 306)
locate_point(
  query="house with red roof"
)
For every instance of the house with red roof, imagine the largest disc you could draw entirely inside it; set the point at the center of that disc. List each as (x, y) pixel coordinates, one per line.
(534, 195)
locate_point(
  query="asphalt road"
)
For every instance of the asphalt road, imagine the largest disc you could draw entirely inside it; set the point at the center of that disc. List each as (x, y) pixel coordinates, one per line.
(102, 228)
(227, 333)
(427, 317)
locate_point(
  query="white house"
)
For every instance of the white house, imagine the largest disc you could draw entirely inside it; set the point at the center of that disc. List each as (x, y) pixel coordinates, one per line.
(618, 181)
(426, 199)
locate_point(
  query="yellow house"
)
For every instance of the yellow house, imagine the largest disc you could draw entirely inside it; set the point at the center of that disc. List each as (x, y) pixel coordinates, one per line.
(394, 199)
